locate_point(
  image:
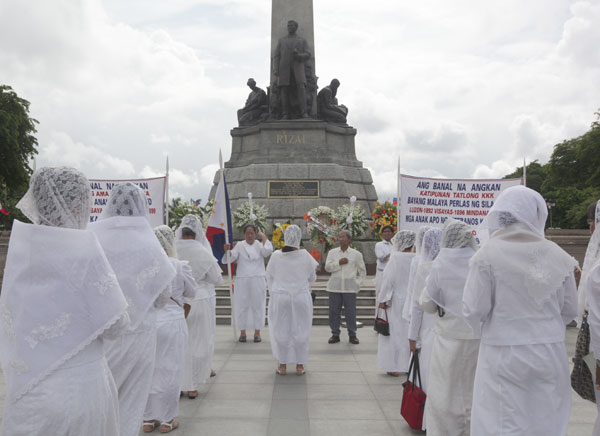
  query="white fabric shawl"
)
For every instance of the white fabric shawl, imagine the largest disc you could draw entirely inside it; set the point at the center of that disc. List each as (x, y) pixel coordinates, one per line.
(137, 258)
(202, 262)
(451, 268)
(58, 295)
(291, 272)
(592, 256)
(193, 223)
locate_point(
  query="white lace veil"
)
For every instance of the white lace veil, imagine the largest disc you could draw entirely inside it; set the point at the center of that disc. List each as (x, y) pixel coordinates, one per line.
(126, 199)
(517, 204)
(592, 256)
(458, 234)
(419, 238)
(58, 197)
(166, 237)
(292, 236)
(193, 223)
(432, 241)
(404, 239)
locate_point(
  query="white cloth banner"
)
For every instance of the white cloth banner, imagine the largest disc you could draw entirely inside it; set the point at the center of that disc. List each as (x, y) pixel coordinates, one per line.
(154, 189)
(426, 201)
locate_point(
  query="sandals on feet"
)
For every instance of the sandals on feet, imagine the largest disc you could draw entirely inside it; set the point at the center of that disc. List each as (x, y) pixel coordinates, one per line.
(192, 395)
(257, 339)
(242, 339)
(300, 370)
(149, 426)
(168, 427)
(281, 370)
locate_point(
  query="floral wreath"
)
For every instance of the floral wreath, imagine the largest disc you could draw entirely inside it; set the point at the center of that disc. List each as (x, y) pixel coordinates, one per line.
(357, 224)
(314, 234)
(253, 214)
(384, 215)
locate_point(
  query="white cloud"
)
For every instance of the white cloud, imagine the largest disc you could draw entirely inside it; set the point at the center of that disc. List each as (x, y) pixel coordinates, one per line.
(457, 89)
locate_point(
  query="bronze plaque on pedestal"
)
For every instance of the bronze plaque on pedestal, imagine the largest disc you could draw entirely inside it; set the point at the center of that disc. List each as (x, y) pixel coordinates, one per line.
(293, 189)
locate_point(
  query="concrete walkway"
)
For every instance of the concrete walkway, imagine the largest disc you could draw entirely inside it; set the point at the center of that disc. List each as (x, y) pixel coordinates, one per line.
(343, 393)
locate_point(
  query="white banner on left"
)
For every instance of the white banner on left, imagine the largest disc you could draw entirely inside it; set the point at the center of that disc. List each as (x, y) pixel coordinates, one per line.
(154, 189)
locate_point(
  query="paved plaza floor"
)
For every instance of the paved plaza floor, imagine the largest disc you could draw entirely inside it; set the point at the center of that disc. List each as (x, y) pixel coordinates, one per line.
(342, 393)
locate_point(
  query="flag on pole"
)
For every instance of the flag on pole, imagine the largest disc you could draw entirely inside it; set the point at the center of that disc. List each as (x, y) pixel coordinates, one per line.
(395, 201)
(3, 210)
(219, 220)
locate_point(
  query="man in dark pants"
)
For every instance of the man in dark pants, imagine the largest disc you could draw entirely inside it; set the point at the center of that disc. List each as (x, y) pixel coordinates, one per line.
(348, 271)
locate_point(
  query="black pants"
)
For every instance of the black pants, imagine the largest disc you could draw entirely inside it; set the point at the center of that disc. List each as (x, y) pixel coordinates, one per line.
(336, 300)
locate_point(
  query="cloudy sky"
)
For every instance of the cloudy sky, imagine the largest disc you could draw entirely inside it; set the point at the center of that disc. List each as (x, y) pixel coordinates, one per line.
(465, 88)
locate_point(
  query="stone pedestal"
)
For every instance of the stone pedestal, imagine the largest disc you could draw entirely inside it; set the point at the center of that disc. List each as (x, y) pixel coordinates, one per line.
(311, 159)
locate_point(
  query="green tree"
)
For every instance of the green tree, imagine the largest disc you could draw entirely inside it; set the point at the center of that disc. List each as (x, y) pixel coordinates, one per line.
(536, 174)
(17, 146)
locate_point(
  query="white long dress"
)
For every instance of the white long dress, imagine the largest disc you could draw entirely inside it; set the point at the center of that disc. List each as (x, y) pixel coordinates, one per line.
(522, 383)
(144, 273)
(289, 276)
(51, 337)
(250, 286)
(382, 249)
(593, 308)
(454, 354)
(171, 345)
(201, 319)
(393, 352)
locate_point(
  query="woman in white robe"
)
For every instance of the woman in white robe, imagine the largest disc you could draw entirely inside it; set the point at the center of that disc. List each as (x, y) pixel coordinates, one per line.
(250, 286)
(454, 353)
(414, 265)
(522, 288)
(145, 274)
(589, 296)
(289, 274)
(420, 329)
(393, 351)
(171, 342)
(59, 300)
(193, 247)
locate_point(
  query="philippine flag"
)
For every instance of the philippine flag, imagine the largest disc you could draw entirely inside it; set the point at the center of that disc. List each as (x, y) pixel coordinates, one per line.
(219, 218)
(395, 201)
(3, 210)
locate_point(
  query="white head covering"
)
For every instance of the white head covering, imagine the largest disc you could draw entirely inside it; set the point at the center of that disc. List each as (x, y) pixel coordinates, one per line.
(58, 197)
(193, 223)
(292, 236)
(403, 239)
(517, 252)
(126, 199)
(592, 256)
(432, 242)
(517, 204)
(458, 234)
(134, 253)
(166, 237)
(419, 238)
(59, 293)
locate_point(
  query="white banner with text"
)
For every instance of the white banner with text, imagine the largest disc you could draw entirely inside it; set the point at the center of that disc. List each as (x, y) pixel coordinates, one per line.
(430, 202)
(154, 189)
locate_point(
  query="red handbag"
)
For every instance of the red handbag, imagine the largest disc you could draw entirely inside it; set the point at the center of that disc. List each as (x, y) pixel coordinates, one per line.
(413, 397)
(382, 326)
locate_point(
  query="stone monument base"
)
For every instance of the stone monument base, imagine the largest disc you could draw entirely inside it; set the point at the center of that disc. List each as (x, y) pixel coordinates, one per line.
(294, 166)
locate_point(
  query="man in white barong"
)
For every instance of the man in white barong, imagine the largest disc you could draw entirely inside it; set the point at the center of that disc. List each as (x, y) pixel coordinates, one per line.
(522, 288)
(393, 351)
(420, 329)
(193, 247)
(383, 251)
(289, 274)
(348, 271)
(60, 299)
(171, 343)
(145, 274)
(454, 354)
(250, 286)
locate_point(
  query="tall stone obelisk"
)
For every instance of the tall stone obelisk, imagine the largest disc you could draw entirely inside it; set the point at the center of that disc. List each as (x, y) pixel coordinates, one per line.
(294, 165)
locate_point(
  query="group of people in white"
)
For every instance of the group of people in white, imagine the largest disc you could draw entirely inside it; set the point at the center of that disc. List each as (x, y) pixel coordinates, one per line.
(488, 322)
(104, 326)
(93, 333)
